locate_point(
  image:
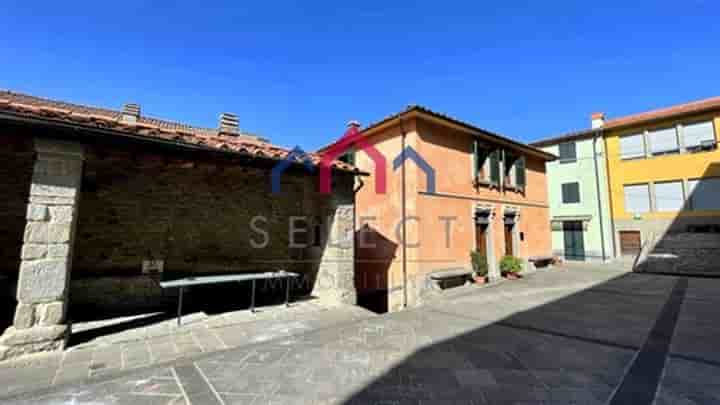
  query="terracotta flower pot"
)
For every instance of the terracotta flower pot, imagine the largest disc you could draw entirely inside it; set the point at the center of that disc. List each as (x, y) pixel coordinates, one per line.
(480, 279)
(512, 276)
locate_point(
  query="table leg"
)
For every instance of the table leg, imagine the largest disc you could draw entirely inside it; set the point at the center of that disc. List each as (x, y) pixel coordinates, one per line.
(179, 314)
(287, 292)
(252, 298)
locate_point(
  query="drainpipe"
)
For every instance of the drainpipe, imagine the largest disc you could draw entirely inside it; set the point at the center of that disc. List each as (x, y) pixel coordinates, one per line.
(597, 186)
(403, 215)
(609, 185)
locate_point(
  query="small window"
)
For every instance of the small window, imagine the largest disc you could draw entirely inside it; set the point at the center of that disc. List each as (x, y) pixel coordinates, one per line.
(669, 196)
(480, 158)
(704, 194)
(632, 146)
(637, 198)
(568, 154)
(348, 157)
(663, 141)
(699, 135)
(571, 193)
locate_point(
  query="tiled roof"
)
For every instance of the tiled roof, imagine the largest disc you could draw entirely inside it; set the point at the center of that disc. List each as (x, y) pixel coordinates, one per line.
(668, 112)
(569, 136)
(24, 105)
(693, 107)
(428, 112)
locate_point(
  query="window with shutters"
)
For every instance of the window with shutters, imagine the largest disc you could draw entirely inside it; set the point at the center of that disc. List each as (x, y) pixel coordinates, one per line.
(698, 136)
(481, 163)
(568, 153)
(637, 198)
(669, 196)
(704, 194)
(514, 173)
(570, 193)
(494, 161)
(663, 141)
(632, 146)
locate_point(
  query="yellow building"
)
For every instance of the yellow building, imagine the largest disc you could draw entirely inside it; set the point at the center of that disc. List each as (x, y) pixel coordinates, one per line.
(663, 172)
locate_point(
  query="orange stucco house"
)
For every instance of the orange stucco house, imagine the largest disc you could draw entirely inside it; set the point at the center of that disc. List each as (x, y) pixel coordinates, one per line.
(489, 194)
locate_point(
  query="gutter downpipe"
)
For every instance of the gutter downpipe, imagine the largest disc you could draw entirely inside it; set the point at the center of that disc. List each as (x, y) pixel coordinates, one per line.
(404, 213)
(597, 185)
(609, 185)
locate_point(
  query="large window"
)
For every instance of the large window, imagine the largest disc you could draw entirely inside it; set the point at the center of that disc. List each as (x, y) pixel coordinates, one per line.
(637, 198)
(669, 196)
(698, 134)
(568, 152)
(704, 194)
(663, 141)
(571, 193)
(632, 146)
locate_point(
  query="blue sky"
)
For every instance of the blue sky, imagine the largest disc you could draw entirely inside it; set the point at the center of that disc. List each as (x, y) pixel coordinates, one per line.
(297, 72)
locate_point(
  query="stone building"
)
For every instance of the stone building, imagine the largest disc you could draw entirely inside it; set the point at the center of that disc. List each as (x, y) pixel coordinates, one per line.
(92, 195)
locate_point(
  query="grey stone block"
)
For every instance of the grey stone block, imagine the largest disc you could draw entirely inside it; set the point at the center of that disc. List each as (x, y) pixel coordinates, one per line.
(36, 232)
(58, 250)
(37, 334)
(52, 313)
(59, 233)
(24, 316)
(42, 281)
(37, 212)
(32, 251)
(62, 214)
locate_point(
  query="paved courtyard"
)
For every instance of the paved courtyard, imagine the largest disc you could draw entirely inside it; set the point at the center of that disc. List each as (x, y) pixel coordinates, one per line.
(577, 336)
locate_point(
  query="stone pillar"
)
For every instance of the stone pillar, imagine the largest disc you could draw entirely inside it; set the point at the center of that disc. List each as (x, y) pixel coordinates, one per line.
(335, 280)
(42, 291)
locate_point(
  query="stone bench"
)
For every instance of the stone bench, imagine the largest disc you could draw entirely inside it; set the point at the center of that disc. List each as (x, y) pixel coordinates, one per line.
(445, 278)
(540, 261)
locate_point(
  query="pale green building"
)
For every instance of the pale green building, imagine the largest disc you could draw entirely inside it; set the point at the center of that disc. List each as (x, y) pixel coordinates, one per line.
(578, 196)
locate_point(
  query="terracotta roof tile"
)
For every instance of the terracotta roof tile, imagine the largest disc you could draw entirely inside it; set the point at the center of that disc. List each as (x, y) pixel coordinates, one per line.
(101, 118)
(680, 109)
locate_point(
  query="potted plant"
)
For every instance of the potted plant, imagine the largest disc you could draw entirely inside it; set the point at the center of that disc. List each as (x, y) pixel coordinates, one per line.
(510, 267)
(479, 266)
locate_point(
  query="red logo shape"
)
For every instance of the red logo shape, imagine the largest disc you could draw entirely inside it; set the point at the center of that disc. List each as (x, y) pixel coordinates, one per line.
(352, 138)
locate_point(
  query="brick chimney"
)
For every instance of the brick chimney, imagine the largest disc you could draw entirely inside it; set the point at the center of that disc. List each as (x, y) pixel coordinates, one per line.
(597, 120)
(229, 124)
(131, 112)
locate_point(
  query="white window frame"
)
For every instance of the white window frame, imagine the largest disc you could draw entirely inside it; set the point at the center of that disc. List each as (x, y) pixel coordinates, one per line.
(643, 138)
(649, 141)
(657, 200)
(693, 148)
(649, 200)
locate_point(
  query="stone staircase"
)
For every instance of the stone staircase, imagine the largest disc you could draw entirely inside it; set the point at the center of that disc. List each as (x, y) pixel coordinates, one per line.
(682, 253)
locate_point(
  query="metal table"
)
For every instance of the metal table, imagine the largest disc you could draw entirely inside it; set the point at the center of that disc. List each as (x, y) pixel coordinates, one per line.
(191, 281)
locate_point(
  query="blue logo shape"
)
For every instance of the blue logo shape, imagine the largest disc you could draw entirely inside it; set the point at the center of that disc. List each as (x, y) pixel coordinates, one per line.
(297, 155)
(410, 153)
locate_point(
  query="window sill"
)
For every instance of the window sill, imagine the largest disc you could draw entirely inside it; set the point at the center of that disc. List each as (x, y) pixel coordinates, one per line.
(478, 182)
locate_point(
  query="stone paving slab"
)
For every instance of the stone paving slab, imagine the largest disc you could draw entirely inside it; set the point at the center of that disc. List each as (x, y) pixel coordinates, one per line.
(528, 342)
(110, 355)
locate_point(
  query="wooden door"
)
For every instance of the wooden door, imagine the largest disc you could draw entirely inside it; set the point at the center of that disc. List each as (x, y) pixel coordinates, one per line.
(481, 238)
(574, 241)
(630, 242)
(509, 240)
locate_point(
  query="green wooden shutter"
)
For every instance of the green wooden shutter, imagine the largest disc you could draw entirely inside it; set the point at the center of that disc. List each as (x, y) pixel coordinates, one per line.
(475, 158)
(495, 166)
(520, 172)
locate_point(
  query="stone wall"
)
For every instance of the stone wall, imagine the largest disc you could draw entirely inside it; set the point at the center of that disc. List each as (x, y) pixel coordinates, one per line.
(16, 165)
(684, 253)
(199, 216)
